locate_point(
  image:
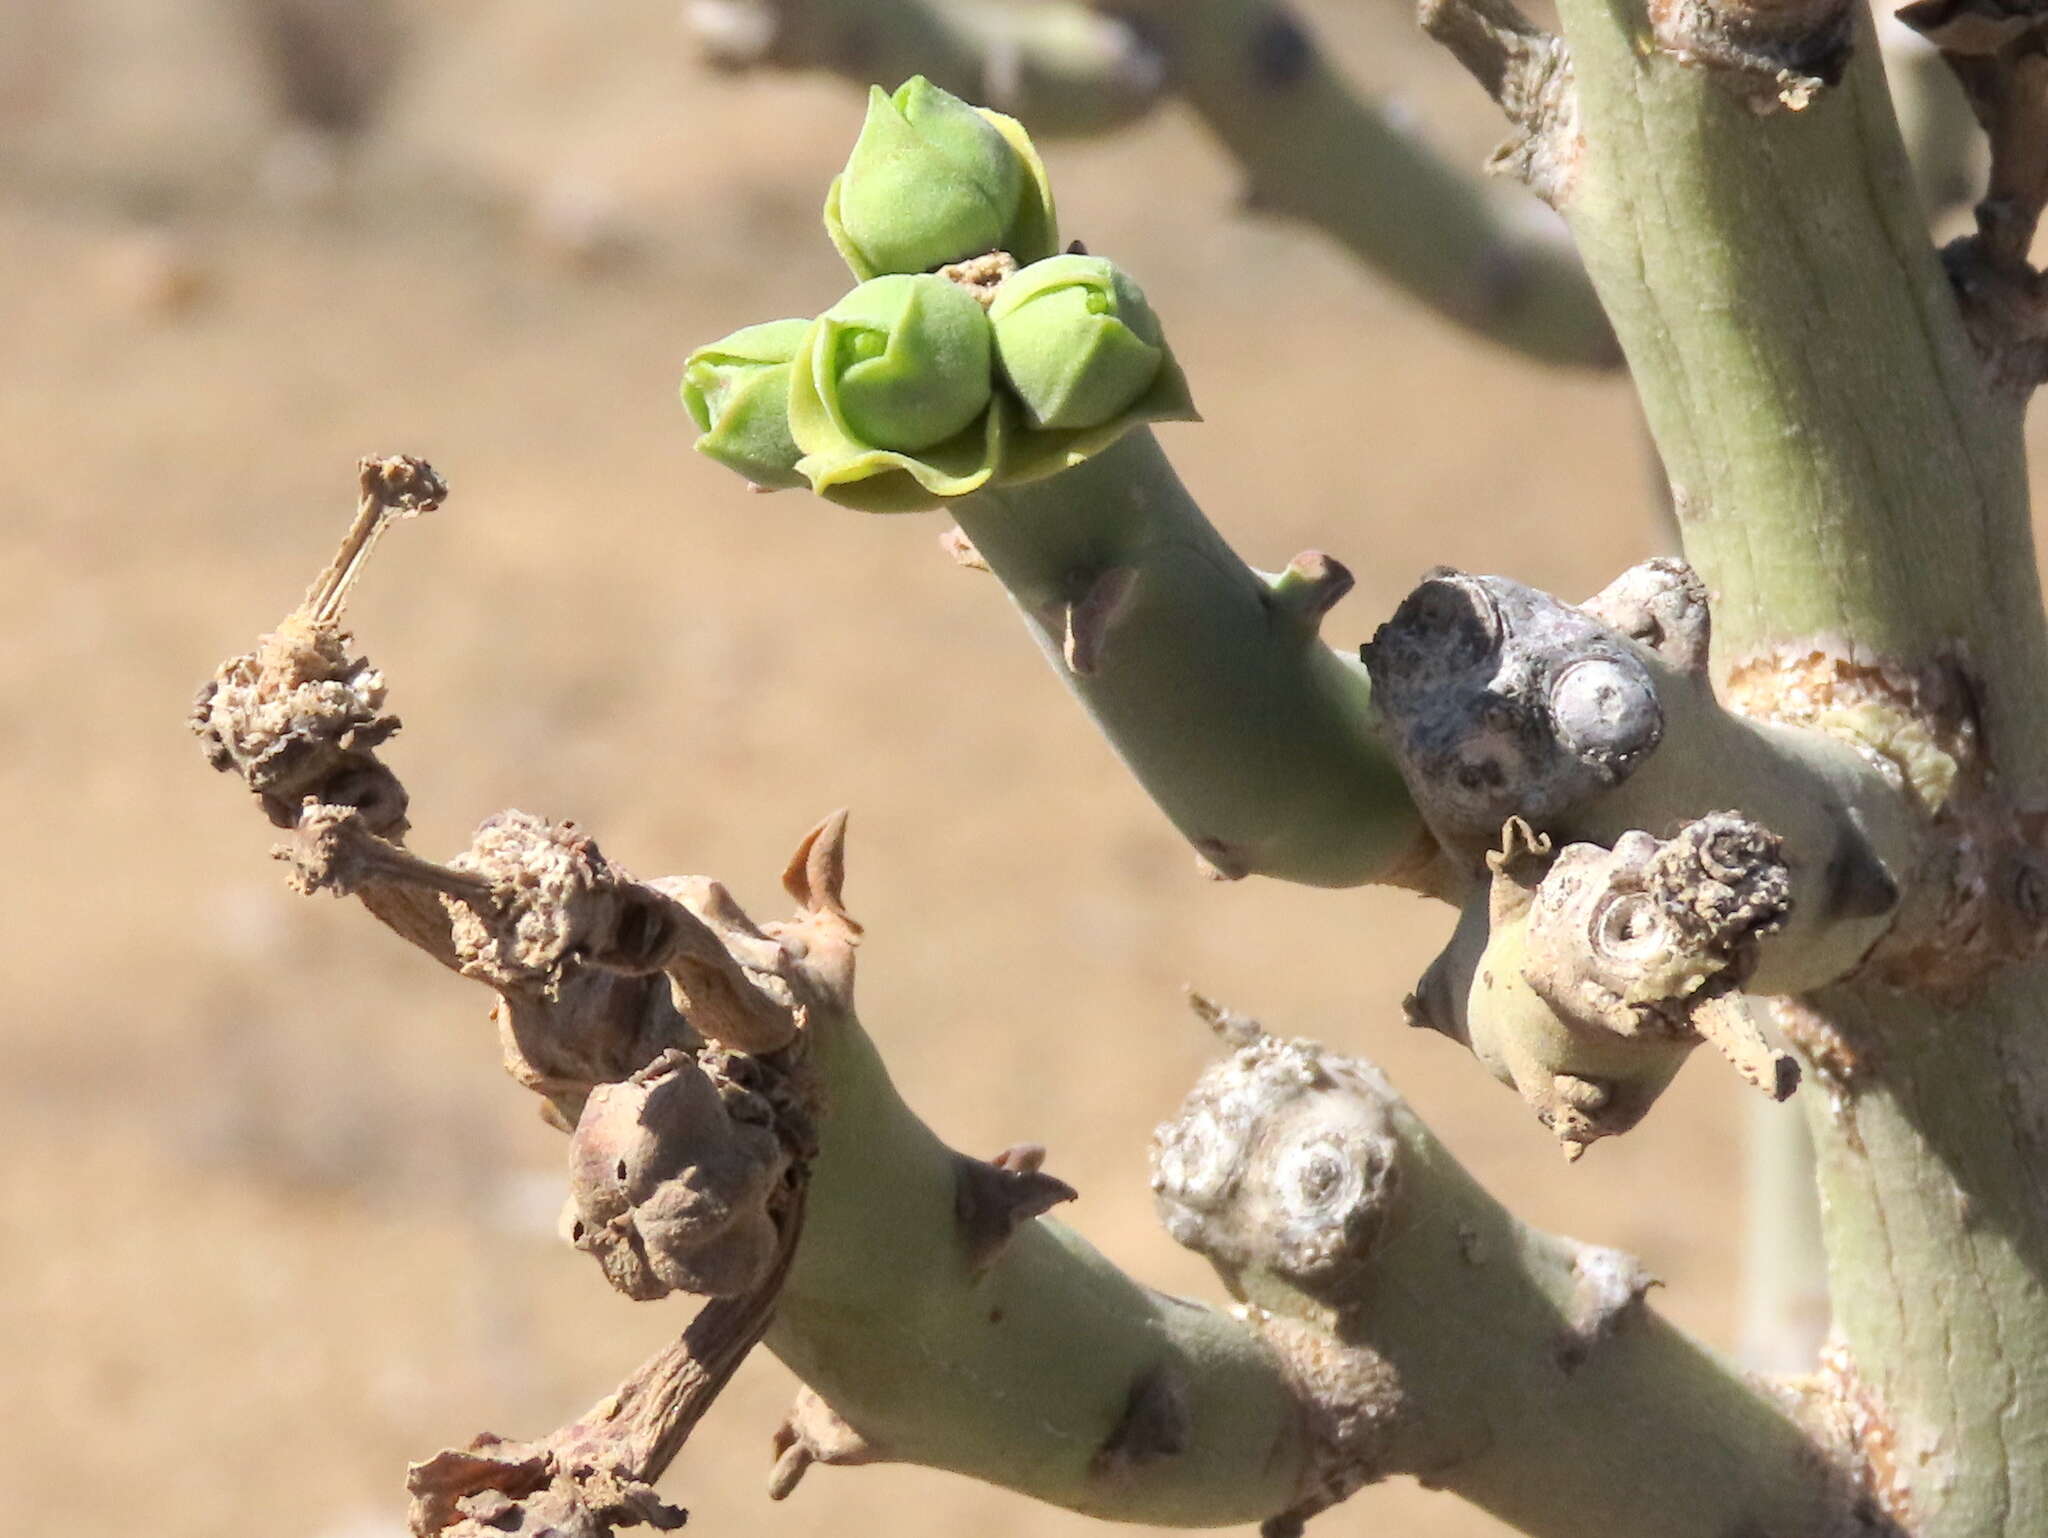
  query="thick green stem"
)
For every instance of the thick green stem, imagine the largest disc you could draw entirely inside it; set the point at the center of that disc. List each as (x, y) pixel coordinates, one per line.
(1784, 1256)
(1842, 469)
(1596, 1415)
(1932, 1149)
(1255, 738)
(1536, 1381)
(1021, 1375)
(1852, 488)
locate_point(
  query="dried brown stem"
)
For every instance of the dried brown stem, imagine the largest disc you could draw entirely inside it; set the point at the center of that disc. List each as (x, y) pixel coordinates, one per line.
(299, 720)
(598, 1472)
(392, 487)
(1999, 52)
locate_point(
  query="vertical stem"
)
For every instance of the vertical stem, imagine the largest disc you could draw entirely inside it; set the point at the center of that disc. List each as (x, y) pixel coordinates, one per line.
(1932, 1152)
(1784, 1262)
(1852, 487)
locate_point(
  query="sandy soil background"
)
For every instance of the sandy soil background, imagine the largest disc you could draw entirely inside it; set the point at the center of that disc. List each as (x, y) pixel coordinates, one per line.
(272, 1222)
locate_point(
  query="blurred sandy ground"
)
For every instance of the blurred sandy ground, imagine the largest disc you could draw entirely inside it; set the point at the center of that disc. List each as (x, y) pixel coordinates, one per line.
(272, 1222)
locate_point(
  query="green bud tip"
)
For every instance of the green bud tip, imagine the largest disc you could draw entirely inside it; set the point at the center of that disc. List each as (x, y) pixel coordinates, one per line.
(933, 180)
(903, 362)
(737, 390)
(1076, 341)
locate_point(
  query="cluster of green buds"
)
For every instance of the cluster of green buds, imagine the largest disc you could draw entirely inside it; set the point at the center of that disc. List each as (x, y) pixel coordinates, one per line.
(970, 354)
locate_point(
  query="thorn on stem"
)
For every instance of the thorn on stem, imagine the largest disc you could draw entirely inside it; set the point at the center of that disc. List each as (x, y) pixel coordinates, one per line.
(1157, 1423)
(1526, 70)
(1310, 587)
(1089, 620)
(1728, 1025)
(816, 873)
(1282, 54)
(1236, 1030)
(814, 1432)
(957, 545)
(1217, 861)
(992, 1200)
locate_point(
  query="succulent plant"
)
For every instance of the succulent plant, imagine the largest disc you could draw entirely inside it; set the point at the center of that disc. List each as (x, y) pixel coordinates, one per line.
(932, 181)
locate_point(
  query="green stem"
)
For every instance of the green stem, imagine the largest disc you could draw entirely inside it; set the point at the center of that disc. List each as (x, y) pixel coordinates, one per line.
(1020, 1376)
(1647, 1433)
(1255, 738)
(1853, 490)
(1784, 1260)
(1843, 472)
(1312, 149)
(1534, 1380)
(1931, 1148)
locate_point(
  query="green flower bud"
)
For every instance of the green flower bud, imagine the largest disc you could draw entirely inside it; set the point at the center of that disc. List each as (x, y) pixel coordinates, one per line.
(738, 391)
(892, 396)
(1076, 340)
(902, 362)
(933, 180)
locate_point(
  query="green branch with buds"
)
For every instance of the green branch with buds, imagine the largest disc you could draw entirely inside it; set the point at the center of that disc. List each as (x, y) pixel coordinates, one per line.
(976, 369)
(969, 356)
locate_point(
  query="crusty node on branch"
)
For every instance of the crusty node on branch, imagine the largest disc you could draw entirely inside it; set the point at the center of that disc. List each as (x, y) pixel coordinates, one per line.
(1590, 722)
(1772, 53)
(1502, 701)
(299, 716)
(1309, 1204)
(1528, 72)
(1430, 1334)
(1284, 1160)
(1977, 897)
(675, 1175)
(299, 721)
(1588, 975)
